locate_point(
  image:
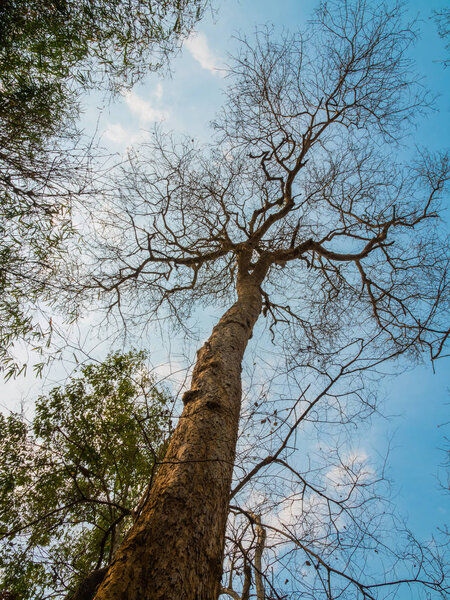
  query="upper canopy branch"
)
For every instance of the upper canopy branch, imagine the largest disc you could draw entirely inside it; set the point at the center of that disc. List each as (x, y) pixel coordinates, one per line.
(302, 169)
(283, 256)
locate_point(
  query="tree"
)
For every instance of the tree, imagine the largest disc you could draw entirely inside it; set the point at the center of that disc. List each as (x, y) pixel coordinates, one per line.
(311, 517)
(71, 482)
(51, 51)
(303, 209)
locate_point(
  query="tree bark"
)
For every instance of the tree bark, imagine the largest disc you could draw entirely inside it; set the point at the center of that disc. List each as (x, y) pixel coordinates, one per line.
(174, 551)
(260, 544)
(86, 589)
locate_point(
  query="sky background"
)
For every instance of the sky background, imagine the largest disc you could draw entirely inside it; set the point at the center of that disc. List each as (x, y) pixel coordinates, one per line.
(417, 401)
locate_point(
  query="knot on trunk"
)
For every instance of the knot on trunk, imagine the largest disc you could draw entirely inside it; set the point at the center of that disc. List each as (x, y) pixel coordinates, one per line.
(189, 396)
(213, 405)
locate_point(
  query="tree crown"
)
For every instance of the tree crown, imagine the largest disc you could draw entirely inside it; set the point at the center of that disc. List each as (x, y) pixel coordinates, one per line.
(70, 480)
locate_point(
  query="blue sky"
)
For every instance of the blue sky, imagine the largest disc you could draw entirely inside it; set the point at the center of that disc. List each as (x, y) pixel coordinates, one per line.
(186, 103)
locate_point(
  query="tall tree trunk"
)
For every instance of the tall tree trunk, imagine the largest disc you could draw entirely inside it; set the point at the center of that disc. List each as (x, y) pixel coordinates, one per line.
(260, 544)
(175, 549)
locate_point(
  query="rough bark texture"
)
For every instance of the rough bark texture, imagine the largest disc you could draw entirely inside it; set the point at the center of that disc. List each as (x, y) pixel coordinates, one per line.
(87, 588)
(175, 549)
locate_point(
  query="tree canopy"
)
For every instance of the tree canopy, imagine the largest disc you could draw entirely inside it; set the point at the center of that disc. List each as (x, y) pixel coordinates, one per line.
(48, 46)
(50, 53)
(306, 190)
(71, 480)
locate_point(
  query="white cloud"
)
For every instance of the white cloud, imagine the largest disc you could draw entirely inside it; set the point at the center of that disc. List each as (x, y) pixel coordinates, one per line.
(159, 91)
(117, 134)
(145, 112)
(197, 44)
(353, 468)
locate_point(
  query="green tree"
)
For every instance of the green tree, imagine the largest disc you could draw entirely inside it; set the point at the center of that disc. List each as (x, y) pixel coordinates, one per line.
(51, 51)
(70, 483)
(47, 46)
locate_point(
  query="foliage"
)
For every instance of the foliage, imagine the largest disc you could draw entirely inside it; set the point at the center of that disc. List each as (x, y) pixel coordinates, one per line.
(50, 52)
(47, 45)
(69, 482)
(34, 224)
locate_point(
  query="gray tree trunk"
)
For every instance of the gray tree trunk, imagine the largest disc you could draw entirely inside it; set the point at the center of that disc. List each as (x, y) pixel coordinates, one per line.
(174, 551)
